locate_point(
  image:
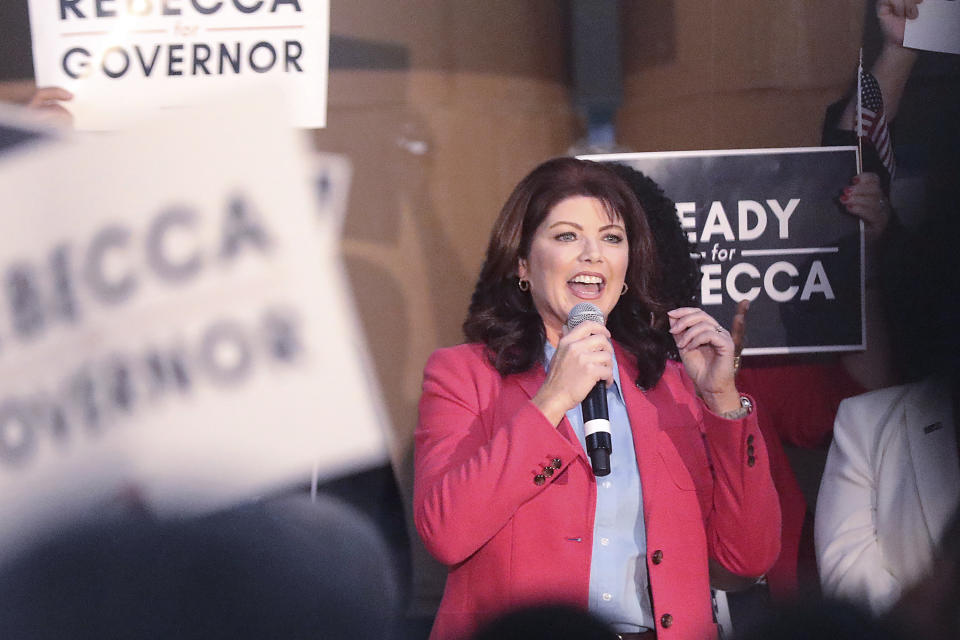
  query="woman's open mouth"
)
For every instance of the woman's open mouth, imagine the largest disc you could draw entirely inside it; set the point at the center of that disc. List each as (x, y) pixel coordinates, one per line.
(587, 286)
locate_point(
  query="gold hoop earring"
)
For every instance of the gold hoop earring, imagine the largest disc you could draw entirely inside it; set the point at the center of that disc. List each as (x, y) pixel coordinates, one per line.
(523, 285)
(624, 290)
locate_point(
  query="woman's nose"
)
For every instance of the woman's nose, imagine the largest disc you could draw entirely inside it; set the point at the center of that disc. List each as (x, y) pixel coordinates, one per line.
(592, 251)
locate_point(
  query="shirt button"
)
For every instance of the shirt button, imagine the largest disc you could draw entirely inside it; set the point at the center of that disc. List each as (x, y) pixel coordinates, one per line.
(539, 479)
(657, 556)
(604, 541)
(607, 597)
(666, 620)
(606, 484)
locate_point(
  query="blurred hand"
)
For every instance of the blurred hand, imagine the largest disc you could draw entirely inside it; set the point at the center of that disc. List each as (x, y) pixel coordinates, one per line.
(584, 356)
(46, 104)
(706, 350)
(864, 198)
(893, 16)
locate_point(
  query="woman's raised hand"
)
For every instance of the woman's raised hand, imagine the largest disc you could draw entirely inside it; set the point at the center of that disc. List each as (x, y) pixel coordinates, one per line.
(584, 356)
(707, 351)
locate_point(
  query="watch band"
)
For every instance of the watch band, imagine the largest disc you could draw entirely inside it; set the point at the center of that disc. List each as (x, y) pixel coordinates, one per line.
(746, 407)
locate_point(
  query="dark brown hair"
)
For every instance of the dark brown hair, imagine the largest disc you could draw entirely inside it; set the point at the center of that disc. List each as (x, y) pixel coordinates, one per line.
(503, 317)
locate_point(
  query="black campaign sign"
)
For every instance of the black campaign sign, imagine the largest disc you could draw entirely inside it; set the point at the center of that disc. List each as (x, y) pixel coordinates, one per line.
(769, 227)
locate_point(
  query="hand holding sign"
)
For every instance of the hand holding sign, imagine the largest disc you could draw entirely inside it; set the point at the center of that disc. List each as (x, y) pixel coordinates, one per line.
(935, 27)
(893, 16)
(46, 104)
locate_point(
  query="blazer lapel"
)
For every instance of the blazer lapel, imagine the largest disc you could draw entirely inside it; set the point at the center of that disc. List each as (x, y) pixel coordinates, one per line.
(530, 382)
(933, 451)
(644, 423)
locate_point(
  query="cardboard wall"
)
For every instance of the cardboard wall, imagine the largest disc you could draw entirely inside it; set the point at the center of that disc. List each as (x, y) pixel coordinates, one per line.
(723, 74)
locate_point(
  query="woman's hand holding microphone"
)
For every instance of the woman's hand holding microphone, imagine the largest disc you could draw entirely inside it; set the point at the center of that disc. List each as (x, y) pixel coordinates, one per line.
(584, 356)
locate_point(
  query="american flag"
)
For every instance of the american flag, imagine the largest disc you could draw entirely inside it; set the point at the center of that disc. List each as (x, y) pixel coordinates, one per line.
(872, 123)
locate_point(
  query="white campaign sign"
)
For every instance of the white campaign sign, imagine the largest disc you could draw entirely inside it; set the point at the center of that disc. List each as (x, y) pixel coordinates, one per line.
(936, 28)
(174, 321)
(126, 59)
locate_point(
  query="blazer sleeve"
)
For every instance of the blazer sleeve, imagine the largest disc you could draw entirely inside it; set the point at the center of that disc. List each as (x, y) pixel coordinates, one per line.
(851, 561)
(743, 526)
(475, 460)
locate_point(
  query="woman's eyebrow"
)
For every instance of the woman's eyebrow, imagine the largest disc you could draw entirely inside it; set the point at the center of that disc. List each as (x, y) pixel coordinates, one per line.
(559, 222)
(613, 226)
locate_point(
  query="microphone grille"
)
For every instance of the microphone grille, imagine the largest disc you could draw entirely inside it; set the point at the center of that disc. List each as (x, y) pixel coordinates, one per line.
(584, 312)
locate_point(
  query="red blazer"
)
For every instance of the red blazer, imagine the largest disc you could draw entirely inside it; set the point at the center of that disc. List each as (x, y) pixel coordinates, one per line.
(510, 541)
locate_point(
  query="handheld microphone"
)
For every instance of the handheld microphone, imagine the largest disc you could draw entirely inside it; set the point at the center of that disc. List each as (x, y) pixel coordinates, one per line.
(596, 418)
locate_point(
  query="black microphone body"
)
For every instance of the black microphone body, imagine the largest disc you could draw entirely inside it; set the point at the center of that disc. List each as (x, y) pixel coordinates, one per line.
(596, 417)
(596, 424)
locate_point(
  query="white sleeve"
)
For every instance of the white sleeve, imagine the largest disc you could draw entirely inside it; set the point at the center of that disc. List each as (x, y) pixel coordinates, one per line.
(851, 561)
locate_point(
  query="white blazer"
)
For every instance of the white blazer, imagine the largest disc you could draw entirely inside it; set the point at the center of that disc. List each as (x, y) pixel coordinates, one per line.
(891, 483)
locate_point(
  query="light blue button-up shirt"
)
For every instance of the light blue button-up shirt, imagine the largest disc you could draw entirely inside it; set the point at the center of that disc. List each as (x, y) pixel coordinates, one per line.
(619, 592)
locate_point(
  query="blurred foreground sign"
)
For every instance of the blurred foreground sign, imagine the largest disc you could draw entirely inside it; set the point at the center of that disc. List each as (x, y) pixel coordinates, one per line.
(127, 59)
(768, 228)
(17, 128)
(174, 320)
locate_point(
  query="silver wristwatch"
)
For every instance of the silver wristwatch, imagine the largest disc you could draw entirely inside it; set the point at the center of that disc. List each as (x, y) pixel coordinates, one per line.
(746, 407)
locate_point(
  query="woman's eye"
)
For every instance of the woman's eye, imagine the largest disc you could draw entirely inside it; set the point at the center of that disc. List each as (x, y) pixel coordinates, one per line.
(566, 236)
(614, 238)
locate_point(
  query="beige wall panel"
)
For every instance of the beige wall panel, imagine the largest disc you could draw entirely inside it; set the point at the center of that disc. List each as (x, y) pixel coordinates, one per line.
(704, 62)
(743, 120)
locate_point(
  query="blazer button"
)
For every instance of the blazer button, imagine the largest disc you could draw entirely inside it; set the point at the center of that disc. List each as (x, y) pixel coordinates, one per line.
(548, 471)
(556, 463)
(750, 439)
(657, 556)
(751, 461)
(539, 479)
(666, 620)
(750, 449)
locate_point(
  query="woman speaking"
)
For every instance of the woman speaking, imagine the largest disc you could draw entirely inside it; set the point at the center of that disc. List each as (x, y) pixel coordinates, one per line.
(505, 493)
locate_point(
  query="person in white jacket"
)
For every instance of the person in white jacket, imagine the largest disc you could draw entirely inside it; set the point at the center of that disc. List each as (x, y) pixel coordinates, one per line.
(891, 483)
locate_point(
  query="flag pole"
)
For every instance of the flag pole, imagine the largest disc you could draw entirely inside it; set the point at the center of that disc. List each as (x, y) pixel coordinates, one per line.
(860, 114)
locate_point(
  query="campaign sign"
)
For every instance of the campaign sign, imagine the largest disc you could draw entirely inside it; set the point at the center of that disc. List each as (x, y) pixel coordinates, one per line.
(126, 59)
(936, 27)
(769, 228)
(174, 322)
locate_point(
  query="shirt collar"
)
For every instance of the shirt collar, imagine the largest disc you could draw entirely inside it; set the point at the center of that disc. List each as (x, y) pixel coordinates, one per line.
(549, 350)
